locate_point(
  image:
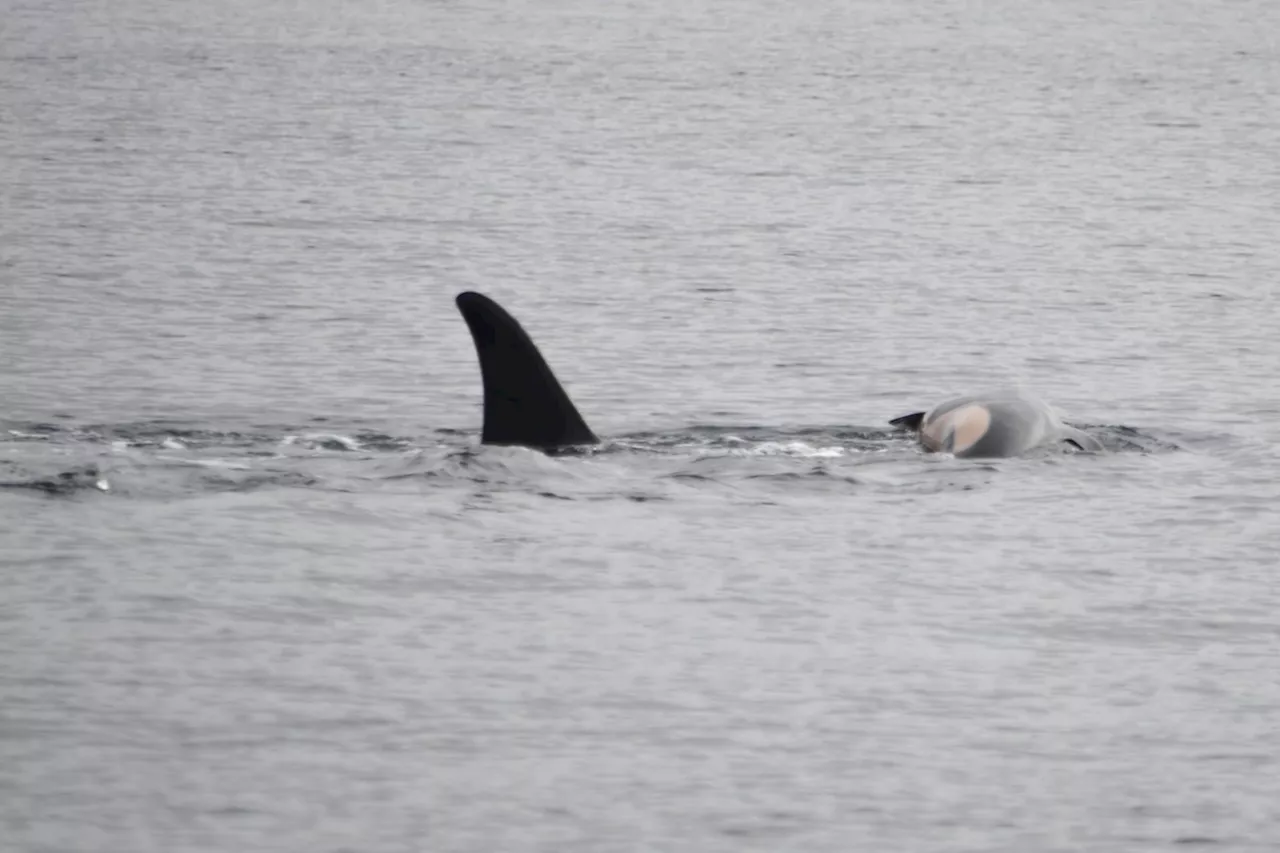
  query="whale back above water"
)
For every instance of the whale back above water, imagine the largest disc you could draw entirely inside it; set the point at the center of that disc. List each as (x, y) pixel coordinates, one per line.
(991, 425)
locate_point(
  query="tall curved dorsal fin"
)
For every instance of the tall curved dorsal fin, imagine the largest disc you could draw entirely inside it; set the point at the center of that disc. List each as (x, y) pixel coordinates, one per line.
(523, 401)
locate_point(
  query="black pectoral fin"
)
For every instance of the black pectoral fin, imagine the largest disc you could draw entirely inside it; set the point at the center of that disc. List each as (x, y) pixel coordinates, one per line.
(524, 403)
(911, 421)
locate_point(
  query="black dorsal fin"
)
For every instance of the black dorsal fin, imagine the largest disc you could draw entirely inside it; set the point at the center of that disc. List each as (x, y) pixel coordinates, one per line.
(523, 401)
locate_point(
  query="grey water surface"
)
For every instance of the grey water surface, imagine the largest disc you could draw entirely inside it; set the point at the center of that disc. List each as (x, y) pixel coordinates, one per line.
(264, 591)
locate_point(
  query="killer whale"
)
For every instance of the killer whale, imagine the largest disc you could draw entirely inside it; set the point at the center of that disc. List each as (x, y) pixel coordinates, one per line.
(525, 405)
(1006, 423)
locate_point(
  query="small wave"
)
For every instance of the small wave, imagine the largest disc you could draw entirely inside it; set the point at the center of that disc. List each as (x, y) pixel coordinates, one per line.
(19, 435)
(252, 481)
(805, 442)
(223, 464)
(322, 441)
(1118, 438)
(488, 464)
(160, 434)
(792, 448)
(62, 483)
(818, 474)
(175, 435)
(382, 442)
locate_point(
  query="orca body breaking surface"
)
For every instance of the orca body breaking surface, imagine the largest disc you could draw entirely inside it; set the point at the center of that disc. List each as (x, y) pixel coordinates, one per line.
(990, 425)
(525, 405)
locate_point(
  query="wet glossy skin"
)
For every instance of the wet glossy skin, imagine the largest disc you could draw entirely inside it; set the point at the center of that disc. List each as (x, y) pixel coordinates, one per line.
(995, 425)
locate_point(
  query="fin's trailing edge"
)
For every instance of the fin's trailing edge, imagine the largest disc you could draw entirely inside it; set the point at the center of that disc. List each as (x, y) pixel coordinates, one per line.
(523, 401)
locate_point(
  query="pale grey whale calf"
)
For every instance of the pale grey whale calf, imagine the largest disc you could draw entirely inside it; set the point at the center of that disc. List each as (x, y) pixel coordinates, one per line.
(525, 405)
(1003, 423)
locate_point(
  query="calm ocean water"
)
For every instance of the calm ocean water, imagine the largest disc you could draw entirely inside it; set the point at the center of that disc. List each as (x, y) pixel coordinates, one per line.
(264, 592)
